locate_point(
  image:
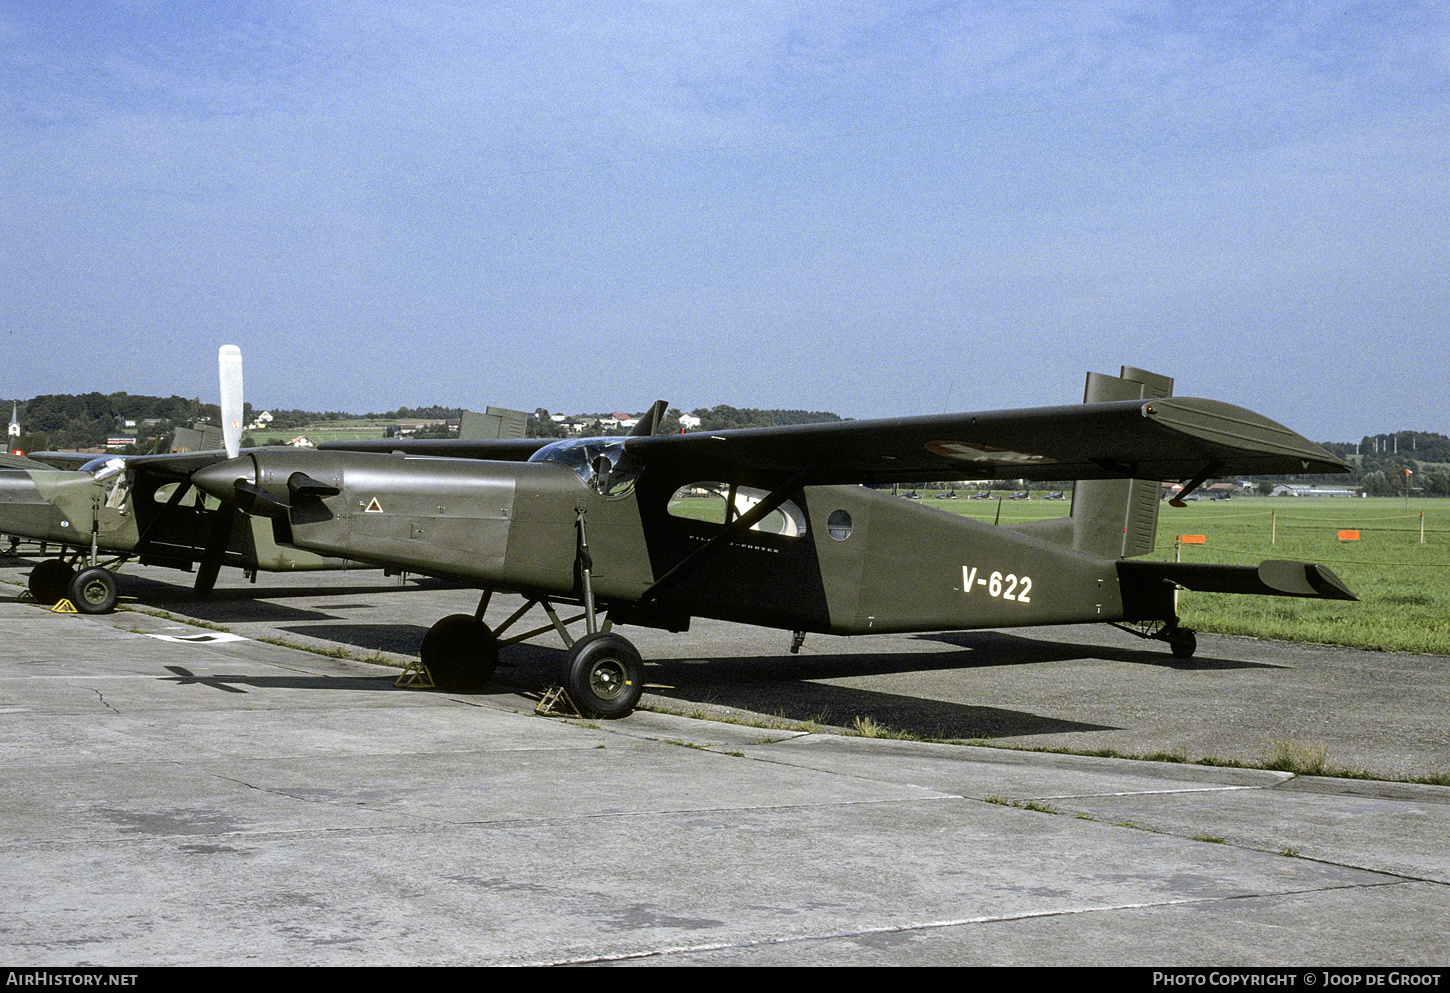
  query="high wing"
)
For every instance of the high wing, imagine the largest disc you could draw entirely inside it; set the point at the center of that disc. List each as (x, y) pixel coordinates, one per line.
(1169, 438)
(497, 449)
(46, 460)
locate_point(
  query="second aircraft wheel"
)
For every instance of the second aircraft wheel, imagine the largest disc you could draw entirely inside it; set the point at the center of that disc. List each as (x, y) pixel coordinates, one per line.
(49, 580)
(603, 674)
(460, 654)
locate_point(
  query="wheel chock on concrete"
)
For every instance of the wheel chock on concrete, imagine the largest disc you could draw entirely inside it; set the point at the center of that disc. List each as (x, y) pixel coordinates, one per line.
(64, 606)
(415, 677)
(556, 703)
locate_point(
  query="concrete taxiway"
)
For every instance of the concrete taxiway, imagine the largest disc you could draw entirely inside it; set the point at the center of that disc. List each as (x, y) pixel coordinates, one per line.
(174, 794)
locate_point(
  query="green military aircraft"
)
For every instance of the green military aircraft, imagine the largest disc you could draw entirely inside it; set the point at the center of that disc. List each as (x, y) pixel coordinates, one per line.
(102, 511)
(111, 510)
(773, 527)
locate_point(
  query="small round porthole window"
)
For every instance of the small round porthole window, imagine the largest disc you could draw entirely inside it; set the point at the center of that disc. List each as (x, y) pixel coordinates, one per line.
(838, 525)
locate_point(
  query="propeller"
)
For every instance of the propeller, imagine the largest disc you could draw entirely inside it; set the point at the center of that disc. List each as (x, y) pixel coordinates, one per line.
(229, 366)
(229, 370)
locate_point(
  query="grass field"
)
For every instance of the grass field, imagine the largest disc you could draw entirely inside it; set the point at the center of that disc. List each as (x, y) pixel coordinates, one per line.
(1403, 582)
(321, 431)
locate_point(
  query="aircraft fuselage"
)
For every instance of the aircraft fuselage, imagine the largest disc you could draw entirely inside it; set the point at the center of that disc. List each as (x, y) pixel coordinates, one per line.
(840, 559)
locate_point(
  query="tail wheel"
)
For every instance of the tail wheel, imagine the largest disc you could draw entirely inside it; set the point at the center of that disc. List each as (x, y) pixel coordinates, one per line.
(604, 675)
(50, 580)
(460, 654)
(1183, 642)
(94, 591)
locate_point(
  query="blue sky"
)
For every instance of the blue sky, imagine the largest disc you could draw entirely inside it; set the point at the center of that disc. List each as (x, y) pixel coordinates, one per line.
(879, 209)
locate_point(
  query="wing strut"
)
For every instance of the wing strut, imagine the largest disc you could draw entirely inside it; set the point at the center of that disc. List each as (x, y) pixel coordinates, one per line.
(1210, 470)
(729, 533)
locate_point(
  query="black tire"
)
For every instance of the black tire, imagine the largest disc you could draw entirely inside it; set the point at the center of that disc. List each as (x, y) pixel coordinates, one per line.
(460, 654)
(50, 580)
(1184, 643)
(94, 591)
(604, 675)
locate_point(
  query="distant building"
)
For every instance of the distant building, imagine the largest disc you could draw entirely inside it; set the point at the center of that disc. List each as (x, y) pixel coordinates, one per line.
(1291, 490)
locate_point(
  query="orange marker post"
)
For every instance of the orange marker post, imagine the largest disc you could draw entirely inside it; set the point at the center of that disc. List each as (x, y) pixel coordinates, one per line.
(1186, 539)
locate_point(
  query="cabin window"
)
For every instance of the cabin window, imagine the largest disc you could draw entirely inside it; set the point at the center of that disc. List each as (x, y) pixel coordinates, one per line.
(711, 502)
(838, 525)
(164, 493)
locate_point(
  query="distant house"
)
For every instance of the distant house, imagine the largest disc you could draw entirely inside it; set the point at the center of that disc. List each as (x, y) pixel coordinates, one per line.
(404, 429)
(302, 441)
(689, 422)
(119, 441)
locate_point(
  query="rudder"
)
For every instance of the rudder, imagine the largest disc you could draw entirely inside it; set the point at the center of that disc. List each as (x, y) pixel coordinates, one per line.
(1118, 518)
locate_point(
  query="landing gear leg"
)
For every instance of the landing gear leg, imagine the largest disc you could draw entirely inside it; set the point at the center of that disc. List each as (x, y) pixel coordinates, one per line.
(602, 672)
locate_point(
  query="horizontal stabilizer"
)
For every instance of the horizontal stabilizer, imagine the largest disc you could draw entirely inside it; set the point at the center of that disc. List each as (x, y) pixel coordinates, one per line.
(1275, 577)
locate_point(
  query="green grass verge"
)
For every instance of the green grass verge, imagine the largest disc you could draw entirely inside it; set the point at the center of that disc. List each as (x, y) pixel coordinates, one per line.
(1403, 582)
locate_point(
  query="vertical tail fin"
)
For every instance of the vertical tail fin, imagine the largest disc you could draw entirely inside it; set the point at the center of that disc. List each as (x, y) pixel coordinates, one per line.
(1111, 518)
(1118, 518)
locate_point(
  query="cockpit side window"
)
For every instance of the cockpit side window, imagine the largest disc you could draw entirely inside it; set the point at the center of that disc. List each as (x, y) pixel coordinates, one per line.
(602, 464)
(711, 501)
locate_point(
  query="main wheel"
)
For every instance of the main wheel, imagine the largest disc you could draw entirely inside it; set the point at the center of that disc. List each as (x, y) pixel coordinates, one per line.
(603, 674)
(49, 581)
(460, 654)
(94, 590)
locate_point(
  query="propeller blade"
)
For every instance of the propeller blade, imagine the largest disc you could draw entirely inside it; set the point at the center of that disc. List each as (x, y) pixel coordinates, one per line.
(210, 565)
(229, 365)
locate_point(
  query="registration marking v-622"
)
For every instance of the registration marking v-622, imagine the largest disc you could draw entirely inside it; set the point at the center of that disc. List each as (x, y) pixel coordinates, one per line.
(1009, 587)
